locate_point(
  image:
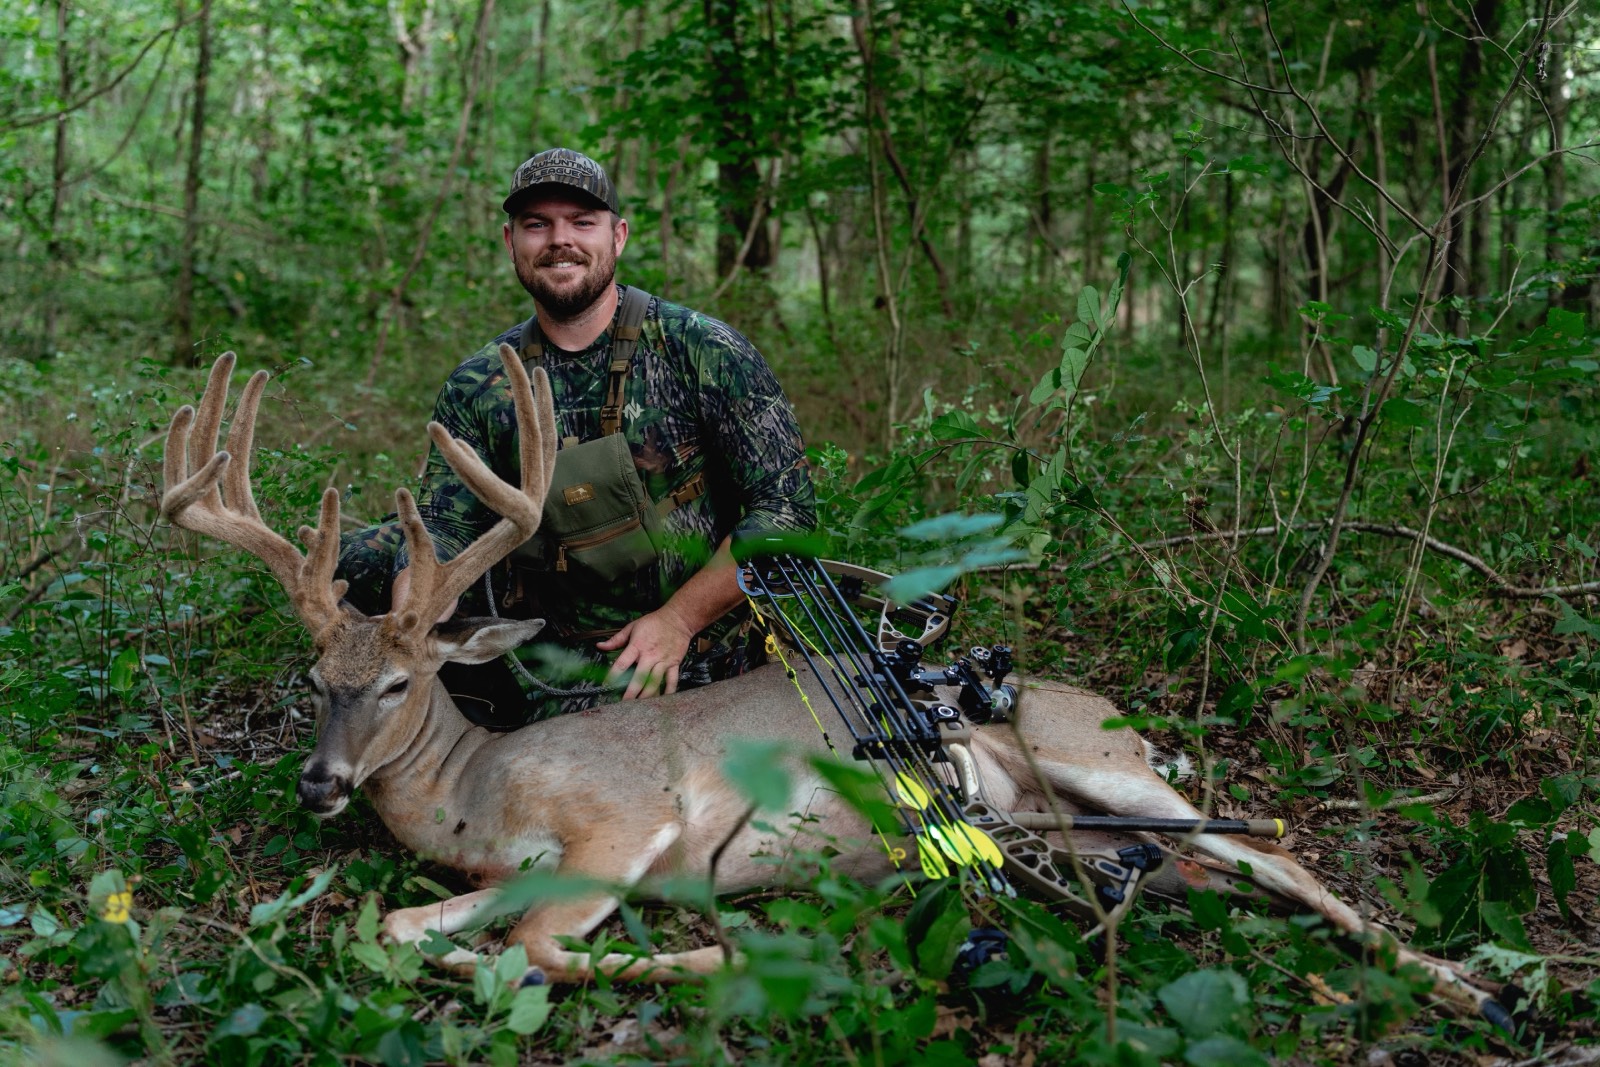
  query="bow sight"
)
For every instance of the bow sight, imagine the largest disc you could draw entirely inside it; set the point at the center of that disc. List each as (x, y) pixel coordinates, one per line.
(914, 725)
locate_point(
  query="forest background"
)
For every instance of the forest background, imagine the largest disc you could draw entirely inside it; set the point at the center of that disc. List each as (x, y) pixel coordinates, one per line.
(1260, 337)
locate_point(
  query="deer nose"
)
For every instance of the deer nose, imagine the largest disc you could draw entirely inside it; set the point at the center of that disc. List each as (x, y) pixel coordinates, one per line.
(322, 793)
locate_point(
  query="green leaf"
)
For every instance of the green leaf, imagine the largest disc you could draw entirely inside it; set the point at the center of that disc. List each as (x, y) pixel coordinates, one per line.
(1573, 623)
(1530, 811)
(1365, 358)
(859, 788)
(370, 956)
(125, 667)
(529, 1009)
(952, 527)
(954, 425)
(1074, 361)
(367, 921)
(1405, 413)
(936, 926)
(244, 1021)
(1204, 1002)
(1238, 698)
(1223, 1050)
(1506, 924)
(757, 770)
(1563, 874)
(1047, 385)
(512, 965)
(919, 582)
(1089, 306)
(270, 911)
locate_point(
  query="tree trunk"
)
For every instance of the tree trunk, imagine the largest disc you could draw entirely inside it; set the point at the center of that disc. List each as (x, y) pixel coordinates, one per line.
(738, 177)
(540, 66)
(1464, 251)
(183, 301)
(55, 247)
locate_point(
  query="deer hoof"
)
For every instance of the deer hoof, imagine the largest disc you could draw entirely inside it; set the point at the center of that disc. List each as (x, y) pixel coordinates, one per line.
(532, 976)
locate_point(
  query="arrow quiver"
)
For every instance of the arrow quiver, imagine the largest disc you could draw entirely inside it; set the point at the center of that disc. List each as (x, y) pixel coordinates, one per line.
(914, 725)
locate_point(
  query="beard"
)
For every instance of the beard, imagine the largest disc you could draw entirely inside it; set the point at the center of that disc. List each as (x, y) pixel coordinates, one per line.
(565, 301)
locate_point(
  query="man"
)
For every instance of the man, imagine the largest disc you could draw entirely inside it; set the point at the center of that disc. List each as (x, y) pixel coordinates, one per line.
(711, 439)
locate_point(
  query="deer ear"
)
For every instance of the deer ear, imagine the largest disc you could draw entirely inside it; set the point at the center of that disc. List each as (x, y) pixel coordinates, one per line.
(480, 640)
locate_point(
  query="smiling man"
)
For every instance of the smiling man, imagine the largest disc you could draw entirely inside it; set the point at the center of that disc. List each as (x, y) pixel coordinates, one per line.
(675, 434)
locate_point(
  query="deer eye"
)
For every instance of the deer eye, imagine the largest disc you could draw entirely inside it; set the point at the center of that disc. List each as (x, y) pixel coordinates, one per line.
(397, 688)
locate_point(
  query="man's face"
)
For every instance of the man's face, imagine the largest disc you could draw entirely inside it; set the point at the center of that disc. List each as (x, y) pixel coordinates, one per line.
(565, 250)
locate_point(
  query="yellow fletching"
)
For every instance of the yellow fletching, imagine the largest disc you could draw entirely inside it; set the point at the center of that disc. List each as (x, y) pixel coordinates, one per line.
(981, 843)
(933, 864)
(912, 795)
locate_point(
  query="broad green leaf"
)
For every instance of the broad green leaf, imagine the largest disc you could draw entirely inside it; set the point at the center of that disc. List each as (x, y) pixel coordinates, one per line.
(757, 769)
(1089, 306)
(936, 926)
(125, 667)
(919, 582)
(1573, 623)
(1047, 385)
(1506, 924)
(1204, 1002)
(1223, 1050)
(530, 1007)
(512, 965)
(1405, 413)
(245, 1020)
(952, 527)
(953, 426)
(370, 956)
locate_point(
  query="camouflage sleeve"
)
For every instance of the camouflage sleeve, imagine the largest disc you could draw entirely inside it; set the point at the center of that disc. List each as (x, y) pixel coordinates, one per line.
(479, 415)
(750, 428)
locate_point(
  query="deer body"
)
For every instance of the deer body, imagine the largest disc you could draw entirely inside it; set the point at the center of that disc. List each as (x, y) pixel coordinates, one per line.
(633, 789)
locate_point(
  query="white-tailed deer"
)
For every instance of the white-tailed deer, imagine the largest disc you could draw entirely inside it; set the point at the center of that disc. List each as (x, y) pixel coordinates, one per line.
(636, 789)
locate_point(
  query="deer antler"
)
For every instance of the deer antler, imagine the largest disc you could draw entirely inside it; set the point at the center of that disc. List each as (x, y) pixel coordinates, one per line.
(435, 585)
(204, 491)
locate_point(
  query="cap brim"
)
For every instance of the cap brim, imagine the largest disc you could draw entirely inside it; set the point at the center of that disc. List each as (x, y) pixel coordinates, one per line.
(510, 204)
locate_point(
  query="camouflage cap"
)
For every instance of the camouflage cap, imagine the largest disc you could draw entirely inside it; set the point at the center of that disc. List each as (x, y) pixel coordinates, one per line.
(562, 166)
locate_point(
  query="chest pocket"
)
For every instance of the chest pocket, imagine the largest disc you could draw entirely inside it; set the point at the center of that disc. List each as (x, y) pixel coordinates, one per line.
(598, 521)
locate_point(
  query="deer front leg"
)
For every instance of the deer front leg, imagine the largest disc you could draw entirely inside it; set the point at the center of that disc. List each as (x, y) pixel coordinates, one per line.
(448, 917)
(610, 860)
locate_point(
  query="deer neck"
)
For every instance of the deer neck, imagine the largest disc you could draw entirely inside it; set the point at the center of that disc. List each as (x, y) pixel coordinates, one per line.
(421, 775)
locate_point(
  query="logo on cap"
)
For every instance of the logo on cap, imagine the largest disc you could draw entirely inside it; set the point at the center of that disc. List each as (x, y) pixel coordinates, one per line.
(562, 166)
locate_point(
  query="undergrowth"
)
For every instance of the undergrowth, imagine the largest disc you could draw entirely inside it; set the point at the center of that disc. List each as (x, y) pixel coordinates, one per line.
(1426, 722)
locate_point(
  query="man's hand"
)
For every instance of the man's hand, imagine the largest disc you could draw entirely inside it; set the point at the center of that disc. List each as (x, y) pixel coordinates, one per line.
(653, 646)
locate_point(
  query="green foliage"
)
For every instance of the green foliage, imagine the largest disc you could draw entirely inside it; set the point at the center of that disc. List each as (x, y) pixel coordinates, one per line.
(1075, 338)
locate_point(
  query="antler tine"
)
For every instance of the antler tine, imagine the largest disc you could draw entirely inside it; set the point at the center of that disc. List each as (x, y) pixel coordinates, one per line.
(193, 499)
(316, 593)
(203, 438)
(241, 443)
(434, 585)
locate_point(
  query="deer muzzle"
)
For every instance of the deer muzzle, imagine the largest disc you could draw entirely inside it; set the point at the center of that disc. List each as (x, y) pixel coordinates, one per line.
(322, 793)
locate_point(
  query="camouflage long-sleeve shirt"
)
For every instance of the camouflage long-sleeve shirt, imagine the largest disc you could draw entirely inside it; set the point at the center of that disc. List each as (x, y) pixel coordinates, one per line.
(698, 399)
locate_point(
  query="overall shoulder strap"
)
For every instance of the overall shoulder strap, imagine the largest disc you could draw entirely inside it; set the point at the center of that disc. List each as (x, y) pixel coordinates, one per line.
(532, 341)
(630, 317)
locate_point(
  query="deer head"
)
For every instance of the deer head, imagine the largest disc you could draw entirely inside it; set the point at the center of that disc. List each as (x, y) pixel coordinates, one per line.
(376, 677)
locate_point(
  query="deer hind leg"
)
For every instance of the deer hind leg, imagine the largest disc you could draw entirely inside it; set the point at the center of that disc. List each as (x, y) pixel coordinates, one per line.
(540, 928)
(1139, 791)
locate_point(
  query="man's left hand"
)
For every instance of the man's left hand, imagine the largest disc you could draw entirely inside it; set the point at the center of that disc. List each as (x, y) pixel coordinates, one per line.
(653, 646)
